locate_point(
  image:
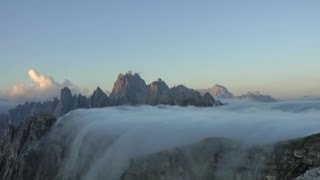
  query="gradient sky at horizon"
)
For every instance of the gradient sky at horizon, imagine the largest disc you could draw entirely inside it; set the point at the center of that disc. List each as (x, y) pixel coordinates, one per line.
(270, 46)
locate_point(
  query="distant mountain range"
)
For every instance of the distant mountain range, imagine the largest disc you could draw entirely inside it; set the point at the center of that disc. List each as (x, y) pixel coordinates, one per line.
(257, 97)
(221, 92)
(129, 89)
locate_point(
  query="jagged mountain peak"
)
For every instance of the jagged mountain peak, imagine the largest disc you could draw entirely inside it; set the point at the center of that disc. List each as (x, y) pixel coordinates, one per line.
(98, 90)
(218, 91)
(99, 98)
(129, 79)
(158, 86)
(129, 89)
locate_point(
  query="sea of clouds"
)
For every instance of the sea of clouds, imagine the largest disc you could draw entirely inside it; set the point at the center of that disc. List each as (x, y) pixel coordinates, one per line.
(101, 142)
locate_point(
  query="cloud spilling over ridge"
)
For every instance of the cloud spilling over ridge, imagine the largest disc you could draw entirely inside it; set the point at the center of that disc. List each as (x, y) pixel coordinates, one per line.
(42, 87)
(101, 142)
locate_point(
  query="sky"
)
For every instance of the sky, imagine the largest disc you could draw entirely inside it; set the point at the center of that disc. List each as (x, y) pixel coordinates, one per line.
(268, 46)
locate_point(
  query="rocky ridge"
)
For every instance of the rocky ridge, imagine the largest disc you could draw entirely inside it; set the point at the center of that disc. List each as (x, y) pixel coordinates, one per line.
(129, 89)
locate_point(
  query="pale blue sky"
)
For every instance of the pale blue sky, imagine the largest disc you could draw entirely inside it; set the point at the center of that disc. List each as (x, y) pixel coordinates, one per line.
(272, 46)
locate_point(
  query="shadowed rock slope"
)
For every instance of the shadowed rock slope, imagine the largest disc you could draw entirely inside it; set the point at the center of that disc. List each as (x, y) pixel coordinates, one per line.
(219, 158)
(19, 160)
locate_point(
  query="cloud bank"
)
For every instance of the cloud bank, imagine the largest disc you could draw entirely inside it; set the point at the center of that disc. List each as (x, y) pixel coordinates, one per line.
(42, 87)
(101, 142)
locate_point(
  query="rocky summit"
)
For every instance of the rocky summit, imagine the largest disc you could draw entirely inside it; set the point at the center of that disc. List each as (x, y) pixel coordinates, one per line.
(131, 89)
(99, 99)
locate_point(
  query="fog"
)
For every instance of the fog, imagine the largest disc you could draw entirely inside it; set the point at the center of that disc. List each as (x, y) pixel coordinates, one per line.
(101, 142)
(5, 106)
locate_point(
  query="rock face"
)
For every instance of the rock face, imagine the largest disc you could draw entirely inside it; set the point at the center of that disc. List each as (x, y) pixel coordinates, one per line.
(67, 100)
(158, 93)
(192, 162)
(312, 174)
(18, 159)
(80, 102)
(218, 158)
(257, 97)
(218, 91)
(129, 89)
(293, 158)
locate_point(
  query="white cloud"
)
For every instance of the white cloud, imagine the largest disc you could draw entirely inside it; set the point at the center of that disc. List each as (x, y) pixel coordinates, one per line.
(42, 87)
(42, 80)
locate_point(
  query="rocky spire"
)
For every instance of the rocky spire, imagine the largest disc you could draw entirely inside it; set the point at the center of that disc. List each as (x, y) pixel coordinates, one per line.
(67, 100)
(158, 87)
(159, 93)
(129, 89)
(99, 99)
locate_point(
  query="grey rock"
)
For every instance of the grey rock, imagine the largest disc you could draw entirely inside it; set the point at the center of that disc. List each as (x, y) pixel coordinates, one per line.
(313, 174)
(18, 158)
(219, 158)
(99, 99)
(158, 93)
(67, 100)
(80, 102)
(129, 89)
